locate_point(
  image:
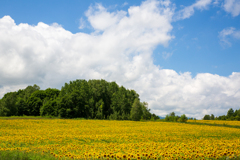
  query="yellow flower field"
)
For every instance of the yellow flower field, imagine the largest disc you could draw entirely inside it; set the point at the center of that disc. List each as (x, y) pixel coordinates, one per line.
(231, 123)
(102, 139)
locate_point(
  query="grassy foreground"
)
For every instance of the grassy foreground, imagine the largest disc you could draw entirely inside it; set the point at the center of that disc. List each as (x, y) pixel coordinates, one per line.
(21, 155)
(102, 139)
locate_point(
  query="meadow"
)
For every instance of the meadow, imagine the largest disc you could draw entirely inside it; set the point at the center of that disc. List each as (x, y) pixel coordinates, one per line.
(105, 139)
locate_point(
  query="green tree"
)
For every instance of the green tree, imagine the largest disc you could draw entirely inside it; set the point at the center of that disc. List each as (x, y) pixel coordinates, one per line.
(51, 92)
(167, 118)
(206, 117)
(237, 118)
(172, 114)
(237, 113)
(27, 92)
(35, 102)
(146, 112)
(212, 117)
(172, 117)
(230, 113)
(8, 104)
(79, 98)
(74, 99)
(3, 110)
(120, 102)
(65, 106)
(223, 117)
(136, 111)
(100, 106)
(155, 117)
(22, 107)
(183, 118)
(50, 108)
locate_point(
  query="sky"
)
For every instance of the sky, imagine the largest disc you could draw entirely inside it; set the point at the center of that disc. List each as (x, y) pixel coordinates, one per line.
(180, 56)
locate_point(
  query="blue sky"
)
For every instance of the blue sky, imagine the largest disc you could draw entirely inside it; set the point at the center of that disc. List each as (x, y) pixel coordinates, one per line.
(196, 47)
(200, 41)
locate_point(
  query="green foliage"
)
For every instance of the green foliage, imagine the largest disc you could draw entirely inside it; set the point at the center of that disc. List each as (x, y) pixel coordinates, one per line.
(172, 117)
(154, 117)
(136, 111)
(231, 115)
(120, 102)
(22, 106)
(212, 117)
(50, 108)
(146, 115)
(25, 101)
(94, 99)
(34, 104)
(183, 118)
(237, 118)
(20, 155)
(206, 117)
(172, 114)
(7, 104)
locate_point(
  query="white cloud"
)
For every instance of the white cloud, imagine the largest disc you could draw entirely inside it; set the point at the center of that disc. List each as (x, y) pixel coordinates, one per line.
(216, 2)
(10, 88)
(119, 50)
(82, 23)
(188, 11)
(166, 55)
(204, 94)
(101, 19)
(124, 4)
(226, 33)
(50, 55)
(232, 6)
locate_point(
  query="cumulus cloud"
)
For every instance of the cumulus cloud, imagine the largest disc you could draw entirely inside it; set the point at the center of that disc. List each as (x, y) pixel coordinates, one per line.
(188, 11)
(119, 49)
(50, 55)
(101, 19)
(204, 94)
(232, 6)
(228, 33)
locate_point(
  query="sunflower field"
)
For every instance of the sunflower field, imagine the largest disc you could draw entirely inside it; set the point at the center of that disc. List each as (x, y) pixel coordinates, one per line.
(217, 122)
(105, 139)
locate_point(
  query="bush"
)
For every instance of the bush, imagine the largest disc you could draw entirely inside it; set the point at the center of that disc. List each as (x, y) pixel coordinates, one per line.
(183, 118)
(237, 118)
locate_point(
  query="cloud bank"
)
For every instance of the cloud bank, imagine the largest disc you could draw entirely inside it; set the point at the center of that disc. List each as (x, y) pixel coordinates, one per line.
(120, 49)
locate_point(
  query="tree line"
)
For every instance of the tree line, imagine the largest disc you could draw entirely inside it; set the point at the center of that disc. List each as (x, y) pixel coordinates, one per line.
(231, 115)
(93, 99)
(175, 118)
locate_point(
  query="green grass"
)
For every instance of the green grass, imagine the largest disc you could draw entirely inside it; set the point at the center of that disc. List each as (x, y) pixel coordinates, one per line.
(21, 155)
(214, 124)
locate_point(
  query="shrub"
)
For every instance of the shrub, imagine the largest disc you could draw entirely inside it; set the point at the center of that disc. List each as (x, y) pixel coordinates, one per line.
(183, 118)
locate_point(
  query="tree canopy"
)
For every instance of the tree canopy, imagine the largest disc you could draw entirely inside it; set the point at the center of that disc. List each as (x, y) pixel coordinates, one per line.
(231, 115)
(93, 99)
